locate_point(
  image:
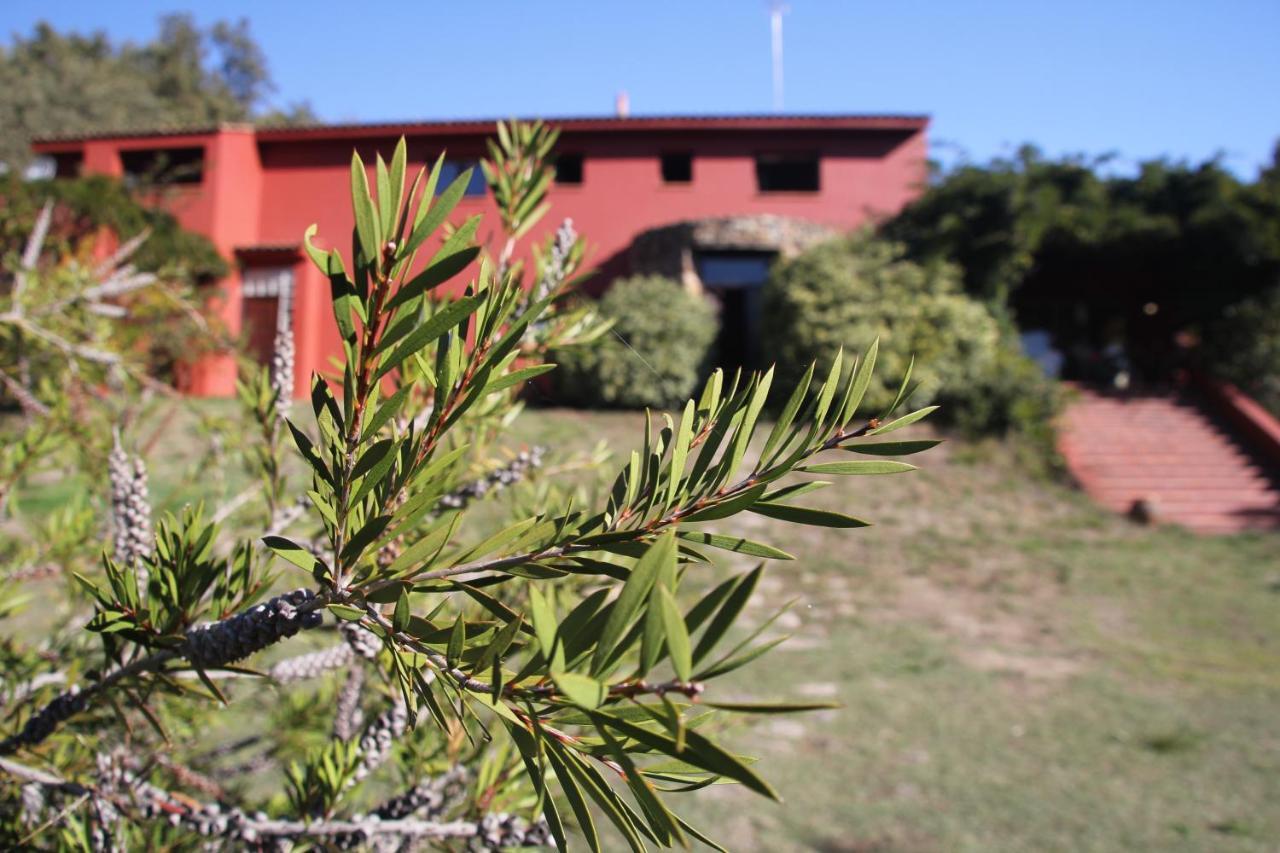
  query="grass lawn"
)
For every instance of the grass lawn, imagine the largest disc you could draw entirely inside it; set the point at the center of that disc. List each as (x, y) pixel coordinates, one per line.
(1017, 669)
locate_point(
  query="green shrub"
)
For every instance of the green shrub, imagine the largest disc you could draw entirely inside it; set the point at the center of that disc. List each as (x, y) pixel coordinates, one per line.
(668, 334)
(1011, 396)
(848, 291)
(1244, 347)
(851, 290)
(94, 201)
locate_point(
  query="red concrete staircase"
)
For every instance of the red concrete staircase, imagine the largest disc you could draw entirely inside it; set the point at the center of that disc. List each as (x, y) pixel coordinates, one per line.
(1170, 455)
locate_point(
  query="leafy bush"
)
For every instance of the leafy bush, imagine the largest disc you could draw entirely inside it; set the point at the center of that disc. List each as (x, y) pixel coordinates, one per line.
(1011, 395)
(97, 201)
(664, 336)
(166, 322)
(849, 291)
(1244, 347)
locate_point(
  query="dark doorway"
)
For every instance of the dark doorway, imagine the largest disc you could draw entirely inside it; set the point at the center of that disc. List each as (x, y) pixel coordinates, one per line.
(258, 323)
(735, 281)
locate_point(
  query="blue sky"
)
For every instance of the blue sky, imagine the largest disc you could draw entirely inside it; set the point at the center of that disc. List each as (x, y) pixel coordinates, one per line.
(1140, 79)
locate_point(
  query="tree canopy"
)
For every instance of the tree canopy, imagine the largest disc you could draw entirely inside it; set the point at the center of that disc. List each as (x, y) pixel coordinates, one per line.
(1012, 221)
(52, 83)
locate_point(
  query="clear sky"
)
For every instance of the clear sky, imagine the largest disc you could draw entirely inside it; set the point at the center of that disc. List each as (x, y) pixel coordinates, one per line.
(1141, 79)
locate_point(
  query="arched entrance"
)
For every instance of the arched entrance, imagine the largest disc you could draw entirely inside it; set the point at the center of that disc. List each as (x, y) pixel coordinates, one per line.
(726, 259)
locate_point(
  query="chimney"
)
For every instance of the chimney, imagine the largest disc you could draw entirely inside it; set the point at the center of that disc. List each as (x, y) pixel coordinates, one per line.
(622, 104)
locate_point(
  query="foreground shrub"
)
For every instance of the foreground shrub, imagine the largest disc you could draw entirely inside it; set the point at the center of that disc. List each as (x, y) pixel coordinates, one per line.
(1244, 348)
(488, 682)
(663, 337)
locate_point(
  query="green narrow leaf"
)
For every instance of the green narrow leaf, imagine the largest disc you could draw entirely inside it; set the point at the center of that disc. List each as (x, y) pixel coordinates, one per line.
(294, 553)
(677, 635)
(371, 457)
(581, 690)
(308, 451)
(518, 377)
(436, 325)
(531, 755)
(400, 618)
(586, 823)
(733, 506)
(346, 612)
(807, 515)
(387, 409)
(892, 448)
(738, 447)
(738, 659)
(457, 639)
(385, 209)
(439, 209)
(728, 613)
(420, 551)
(789, 412)
(771, 707)
(698, 751)
(399, 159)
(663, 821)
(902, 389)
(634, 592)
(680, 452)
(861, 381)
(828, 391)
(626, 820)
(362, 205)
(735, 544)
(544, 623)
(870, 466)
(905, 420)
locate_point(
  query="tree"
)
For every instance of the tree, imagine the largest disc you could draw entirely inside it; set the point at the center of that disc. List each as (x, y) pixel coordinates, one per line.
(520, 679)
(52, 83)
(1064, 247)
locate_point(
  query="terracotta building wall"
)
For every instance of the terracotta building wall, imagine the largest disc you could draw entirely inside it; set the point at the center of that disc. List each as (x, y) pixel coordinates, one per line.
(260, 192)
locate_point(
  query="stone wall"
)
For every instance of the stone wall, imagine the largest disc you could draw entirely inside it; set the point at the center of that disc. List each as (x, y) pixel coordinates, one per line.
(669, 250)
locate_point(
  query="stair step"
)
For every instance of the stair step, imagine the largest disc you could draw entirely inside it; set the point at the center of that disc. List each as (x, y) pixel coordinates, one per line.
(1139, 484)
(1167, 451)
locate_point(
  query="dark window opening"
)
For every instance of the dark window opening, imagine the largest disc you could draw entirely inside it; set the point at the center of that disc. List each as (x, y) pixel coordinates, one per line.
(787, 173)
(677, 168)
(156, 166)
(68, 164)
(735, 280)
(569, 169)
(451, 170)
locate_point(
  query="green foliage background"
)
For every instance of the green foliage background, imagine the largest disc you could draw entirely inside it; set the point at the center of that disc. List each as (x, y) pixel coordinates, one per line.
(847, 292)
(1245, 347)
(668, 333)
(53, 83)
(1206, 235)
(86, 204)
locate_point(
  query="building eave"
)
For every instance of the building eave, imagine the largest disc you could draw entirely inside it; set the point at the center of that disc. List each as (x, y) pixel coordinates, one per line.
(469, 127)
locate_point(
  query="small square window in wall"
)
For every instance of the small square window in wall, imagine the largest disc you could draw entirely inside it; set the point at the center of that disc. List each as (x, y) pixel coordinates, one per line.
(677, 168)
(68, 164)
(791, 172)
(451, 170)
(163, 166)
(569, 169)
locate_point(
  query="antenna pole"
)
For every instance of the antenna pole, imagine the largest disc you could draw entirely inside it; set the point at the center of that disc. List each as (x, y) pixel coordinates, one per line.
(776, 11)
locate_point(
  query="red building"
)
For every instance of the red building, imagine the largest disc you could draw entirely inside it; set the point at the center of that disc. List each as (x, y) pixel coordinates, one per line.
(707, 200)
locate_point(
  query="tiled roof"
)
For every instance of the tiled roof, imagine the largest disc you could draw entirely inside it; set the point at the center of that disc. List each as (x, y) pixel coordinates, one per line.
(815, 121)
